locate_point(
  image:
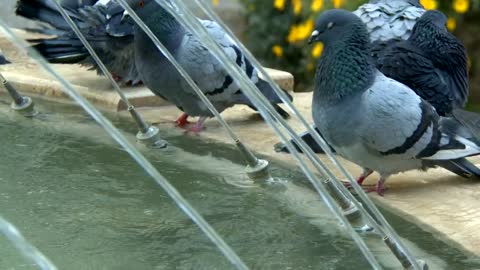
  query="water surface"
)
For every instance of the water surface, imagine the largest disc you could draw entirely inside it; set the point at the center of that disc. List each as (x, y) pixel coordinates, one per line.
(85, 204)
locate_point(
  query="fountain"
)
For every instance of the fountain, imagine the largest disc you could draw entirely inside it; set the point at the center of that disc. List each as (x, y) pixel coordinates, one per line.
(351, 213)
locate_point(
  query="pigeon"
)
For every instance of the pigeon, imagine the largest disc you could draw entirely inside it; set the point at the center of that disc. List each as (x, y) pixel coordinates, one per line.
(374, 121)
(3, 60)
(390, 19)
(386, 20)
(209, 74)
(111, 31)
(104, 26)
(432, 62)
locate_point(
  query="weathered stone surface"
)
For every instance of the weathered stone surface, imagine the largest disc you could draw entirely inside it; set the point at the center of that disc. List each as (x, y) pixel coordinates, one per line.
(28, 78)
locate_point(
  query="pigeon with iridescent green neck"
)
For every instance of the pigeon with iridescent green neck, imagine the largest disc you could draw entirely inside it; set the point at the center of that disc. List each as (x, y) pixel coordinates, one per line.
(374, 121)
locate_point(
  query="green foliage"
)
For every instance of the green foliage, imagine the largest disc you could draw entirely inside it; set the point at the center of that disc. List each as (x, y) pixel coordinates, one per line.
(278, 30)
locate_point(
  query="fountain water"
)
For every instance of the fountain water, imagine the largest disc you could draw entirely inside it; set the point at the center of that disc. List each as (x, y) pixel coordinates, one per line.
(382, 227)
(147, 133)
(332, 192)
(131, 150)
(390, 235)
(257, 169)
(24, 247)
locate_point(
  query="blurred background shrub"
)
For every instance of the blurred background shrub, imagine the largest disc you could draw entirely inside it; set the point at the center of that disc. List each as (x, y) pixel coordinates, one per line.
(277, 32)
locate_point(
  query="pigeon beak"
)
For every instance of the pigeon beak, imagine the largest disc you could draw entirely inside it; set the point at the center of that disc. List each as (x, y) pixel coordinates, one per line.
(313, 36)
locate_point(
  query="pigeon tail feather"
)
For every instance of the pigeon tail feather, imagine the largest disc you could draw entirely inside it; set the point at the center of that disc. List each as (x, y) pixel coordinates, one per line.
(270, 94)
(460, 166)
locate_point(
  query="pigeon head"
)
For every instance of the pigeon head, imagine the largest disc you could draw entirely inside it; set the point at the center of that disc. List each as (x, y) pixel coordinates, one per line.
(135, 4)
(145, 7)
(333, 24)
(434, 17)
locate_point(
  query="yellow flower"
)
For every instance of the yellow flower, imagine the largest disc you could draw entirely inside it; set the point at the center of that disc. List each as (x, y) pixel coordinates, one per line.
(215, 2)
(301, 31)
(279, 4)
(292, 35)
(429, 4)
(337, 3)
(277, 51)
(305, 30)
(461, 6)
(297, 6)
(317, 50)
(317, 5)
(451, 24)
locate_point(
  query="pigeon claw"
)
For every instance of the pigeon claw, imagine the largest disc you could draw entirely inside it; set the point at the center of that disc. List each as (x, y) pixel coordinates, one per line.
(379, 188)
(195, 129)
(182, 121)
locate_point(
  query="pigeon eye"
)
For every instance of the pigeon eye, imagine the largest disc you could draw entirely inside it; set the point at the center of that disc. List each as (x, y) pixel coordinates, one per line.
(330, 25)
(141, 3)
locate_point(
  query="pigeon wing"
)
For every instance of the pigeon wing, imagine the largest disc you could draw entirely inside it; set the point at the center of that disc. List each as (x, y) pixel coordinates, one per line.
(408, 65)
(207, 71)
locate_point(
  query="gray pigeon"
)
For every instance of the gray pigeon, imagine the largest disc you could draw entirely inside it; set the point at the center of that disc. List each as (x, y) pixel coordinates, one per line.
(385, 20)
(432, 62)
(207, 72)
(110, 30)
(372, 120)
(109, 33)
(390, 19)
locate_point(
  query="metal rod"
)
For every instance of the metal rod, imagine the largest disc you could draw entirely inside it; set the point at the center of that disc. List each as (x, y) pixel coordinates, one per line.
(17, 98)
(142, 125)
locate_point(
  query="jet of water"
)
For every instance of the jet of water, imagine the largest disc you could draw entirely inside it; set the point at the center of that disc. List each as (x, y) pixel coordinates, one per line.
(24, 247)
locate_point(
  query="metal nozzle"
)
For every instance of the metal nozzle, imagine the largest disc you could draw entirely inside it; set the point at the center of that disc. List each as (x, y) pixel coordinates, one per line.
(23, 105)
(257, 169)
(147, 134)
(151, 138)
(26, 107)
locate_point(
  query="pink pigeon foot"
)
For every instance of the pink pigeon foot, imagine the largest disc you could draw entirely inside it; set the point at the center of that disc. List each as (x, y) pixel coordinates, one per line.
(379, 188)
(182, 121)
(198, 127)
(365, 174)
